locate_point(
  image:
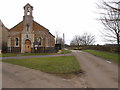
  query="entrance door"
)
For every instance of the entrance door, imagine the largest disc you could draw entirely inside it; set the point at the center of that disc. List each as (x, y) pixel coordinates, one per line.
(27, 46)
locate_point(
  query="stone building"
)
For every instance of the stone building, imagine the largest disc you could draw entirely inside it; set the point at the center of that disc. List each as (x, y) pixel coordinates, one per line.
(3, 37)
(29, 36)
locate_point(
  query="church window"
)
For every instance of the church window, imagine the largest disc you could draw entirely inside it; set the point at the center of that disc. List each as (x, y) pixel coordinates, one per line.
(16, 41)
(47, 42)
(39, 41)
(27, 27)
(28, 11)
(27, 36)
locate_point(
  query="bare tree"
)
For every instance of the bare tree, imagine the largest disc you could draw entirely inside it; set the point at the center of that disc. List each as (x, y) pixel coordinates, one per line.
(85, 39)
(75, 41)
(110, 18)
(57, 36)
(60, 40)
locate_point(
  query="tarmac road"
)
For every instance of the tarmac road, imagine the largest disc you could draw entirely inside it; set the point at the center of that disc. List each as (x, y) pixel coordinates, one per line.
(14, 76)
(99, 73)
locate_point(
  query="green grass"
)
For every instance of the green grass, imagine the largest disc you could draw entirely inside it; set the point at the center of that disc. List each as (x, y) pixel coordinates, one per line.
(65, 51)
(8, 55)
(106, 55)
(24, 54)
(58, 65)
(32, 54)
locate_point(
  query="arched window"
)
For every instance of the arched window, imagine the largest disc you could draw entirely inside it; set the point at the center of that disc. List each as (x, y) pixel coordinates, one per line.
(39, 41)
(17, 42)
(47, 42)
(26, 36)
(27, 27)
(28, 11)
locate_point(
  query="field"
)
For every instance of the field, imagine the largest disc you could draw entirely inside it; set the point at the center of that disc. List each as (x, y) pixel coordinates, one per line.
(106, 55)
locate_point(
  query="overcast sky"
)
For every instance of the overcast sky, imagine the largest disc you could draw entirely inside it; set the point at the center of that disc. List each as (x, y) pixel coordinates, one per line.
(72, 17)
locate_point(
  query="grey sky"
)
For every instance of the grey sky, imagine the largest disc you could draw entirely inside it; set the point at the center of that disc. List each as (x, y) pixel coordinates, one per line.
(72, 17)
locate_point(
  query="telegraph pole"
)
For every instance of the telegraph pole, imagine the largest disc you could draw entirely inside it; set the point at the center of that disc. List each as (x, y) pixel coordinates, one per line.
(63, 40)
(63, 43)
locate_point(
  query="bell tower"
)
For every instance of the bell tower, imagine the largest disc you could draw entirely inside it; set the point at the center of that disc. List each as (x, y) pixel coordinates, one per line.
(28, 18)
(28, 10)
(27, 33)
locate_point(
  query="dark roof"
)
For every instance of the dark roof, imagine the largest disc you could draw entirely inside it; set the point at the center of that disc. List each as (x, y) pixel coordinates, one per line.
(28, 5)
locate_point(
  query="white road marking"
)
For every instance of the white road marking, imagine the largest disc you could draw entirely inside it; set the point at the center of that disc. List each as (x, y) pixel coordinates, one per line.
(66, 79)
(76, 51)
(108, 61)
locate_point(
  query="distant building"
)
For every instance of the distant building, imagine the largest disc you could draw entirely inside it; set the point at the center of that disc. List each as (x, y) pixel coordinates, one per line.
(29, 36)
(3, 37)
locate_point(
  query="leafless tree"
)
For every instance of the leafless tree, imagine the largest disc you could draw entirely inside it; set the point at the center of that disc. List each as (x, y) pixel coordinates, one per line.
(60, 40)
(110, 18)
(57, 36)
(85, 39)
(75, 41)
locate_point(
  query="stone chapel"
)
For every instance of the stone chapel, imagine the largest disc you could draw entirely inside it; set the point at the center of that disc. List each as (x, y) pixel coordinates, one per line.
(29, 36)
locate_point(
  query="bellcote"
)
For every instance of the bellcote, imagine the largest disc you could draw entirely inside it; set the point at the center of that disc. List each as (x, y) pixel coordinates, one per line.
(28, 10)
(28, 19)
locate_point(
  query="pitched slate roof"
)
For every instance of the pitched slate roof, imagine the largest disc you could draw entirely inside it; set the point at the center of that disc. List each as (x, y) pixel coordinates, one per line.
(2, 25)
(18, 27)
(36, 26)
(28, 5)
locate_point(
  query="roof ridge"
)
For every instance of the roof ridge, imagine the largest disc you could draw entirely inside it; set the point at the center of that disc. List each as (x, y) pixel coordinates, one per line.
(16, 25)
(43, 27)
(3, 24)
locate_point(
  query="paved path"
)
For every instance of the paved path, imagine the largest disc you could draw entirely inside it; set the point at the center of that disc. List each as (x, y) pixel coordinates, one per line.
(99, 72)
(35, 56)
(20, 77)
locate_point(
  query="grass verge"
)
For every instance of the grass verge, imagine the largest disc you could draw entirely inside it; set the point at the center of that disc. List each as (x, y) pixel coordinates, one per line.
(106, 55)
(58, 65)
(32, 54)
(35, 54)
(65, 52)
(8, 55)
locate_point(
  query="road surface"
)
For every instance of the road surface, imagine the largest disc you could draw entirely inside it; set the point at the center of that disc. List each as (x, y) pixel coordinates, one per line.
(14, 76)
(99, 73)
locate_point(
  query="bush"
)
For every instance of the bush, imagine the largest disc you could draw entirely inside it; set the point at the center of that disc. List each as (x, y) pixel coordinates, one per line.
(100, 48)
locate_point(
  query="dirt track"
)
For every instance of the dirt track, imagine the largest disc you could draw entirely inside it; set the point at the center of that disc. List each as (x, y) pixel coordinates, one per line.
(99, 72)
